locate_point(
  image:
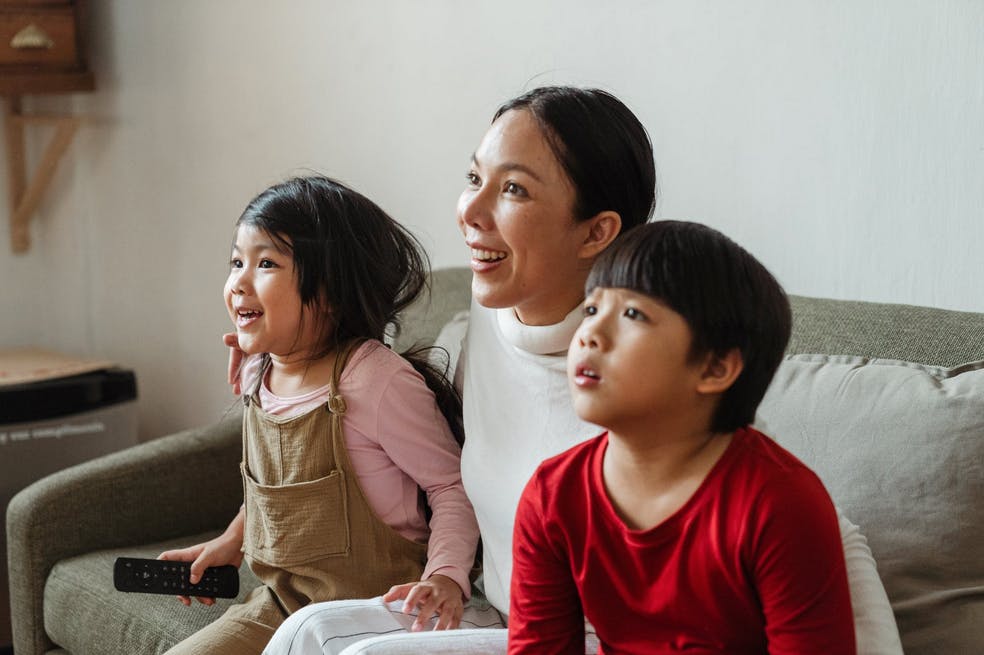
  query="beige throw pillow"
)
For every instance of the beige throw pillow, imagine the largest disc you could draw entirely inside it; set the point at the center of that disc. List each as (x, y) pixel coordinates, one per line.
(900, 447)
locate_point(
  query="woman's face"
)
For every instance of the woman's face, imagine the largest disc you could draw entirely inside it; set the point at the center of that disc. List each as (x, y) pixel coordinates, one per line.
(517, 216)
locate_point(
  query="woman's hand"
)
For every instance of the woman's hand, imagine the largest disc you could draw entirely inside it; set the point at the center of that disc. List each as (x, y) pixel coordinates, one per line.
(235, 360)
(227, 548)
(437, 594)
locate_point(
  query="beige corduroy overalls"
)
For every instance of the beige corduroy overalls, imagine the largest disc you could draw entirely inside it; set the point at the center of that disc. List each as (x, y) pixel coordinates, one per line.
(310, 534)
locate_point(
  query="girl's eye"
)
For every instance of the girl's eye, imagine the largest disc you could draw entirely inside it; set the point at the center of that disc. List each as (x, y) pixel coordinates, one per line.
(267, 263)
(472, 178)
(634, 314)
(515, 189)
(590, 310)
(236, 263)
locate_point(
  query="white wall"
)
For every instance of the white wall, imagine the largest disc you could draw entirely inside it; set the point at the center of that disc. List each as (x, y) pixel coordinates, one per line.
(841, 141)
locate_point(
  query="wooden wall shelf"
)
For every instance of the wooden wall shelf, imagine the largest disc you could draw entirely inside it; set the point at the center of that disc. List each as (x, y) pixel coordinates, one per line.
(25, 196)
(41, 53)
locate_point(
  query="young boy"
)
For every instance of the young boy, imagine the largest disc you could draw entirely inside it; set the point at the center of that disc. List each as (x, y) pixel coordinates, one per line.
(680, 529)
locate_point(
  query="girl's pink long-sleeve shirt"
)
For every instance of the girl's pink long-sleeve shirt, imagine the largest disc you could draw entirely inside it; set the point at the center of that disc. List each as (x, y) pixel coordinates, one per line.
(398, 442)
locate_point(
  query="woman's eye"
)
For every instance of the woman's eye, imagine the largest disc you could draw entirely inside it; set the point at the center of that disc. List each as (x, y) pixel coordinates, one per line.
(267, 263)
(235, 263)
(590, 310)
(472, 178)
(515, 189)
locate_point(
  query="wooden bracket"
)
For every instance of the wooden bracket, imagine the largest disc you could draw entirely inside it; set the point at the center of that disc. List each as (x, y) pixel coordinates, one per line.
(26, 196)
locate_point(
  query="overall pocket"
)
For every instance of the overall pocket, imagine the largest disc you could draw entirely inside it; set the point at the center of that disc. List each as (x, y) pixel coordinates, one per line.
(294, 524)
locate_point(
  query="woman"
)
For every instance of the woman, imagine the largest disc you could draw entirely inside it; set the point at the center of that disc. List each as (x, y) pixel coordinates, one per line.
(559, 174)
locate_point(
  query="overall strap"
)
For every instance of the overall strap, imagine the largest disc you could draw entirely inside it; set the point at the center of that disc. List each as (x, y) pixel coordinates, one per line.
(252, 396)
(336, 404)
(251, 399)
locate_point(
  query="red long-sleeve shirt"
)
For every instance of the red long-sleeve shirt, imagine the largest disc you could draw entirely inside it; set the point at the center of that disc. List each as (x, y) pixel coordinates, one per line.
(752, 563)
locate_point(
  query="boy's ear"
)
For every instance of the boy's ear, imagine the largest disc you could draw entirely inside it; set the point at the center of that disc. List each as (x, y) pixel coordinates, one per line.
(720, 372)
(602, 228)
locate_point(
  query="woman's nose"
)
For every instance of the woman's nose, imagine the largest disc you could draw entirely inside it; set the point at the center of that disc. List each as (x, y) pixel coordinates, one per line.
(474, 209)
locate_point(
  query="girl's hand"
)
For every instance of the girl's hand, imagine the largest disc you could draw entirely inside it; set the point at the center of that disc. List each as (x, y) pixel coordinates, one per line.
(235, 360)
(224, 549)
(437, 594)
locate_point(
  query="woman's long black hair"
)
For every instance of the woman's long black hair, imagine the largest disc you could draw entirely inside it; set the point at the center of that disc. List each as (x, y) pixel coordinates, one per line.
(356, 267)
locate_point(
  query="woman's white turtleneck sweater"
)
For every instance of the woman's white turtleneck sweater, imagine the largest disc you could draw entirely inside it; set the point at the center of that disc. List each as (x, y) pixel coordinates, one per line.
(517, 412)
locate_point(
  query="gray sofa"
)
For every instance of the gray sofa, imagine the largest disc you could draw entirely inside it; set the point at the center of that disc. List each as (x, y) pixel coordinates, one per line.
(859, 420)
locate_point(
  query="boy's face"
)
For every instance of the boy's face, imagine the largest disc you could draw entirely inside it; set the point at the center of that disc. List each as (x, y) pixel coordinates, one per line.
(629, 363)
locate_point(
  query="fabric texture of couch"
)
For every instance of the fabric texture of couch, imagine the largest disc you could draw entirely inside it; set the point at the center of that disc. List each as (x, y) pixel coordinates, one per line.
(885, 402)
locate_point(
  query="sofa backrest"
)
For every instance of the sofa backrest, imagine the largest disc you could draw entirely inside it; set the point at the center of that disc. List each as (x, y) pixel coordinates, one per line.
(926, 335)
(449, 293)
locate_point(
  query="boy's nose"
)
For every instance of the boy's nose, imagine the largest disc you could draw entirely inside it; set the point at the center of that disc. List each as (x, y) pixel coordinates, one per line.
(589, 336)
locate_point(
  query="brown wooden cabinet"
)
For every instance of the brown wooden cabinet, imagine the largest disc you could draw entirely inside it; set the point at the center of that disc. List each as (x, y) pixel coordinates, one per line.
(42, 51)
(42, 47)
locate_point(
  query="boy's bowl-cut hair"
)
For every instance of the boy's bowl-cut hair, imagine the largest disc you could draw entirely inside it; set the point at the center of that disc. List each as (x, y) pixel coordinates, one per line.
(728, 298)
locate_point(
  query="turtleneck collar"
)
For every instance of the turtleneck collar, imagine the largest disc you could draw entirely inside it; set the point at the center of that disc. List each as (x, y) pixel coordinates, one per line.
(539, 339)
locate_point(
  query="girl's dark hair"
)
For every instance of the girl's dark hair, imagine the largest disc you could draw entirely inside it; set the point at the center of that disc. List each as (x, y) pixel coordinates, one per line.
(356, 267)
(602, 146)
(728, 298)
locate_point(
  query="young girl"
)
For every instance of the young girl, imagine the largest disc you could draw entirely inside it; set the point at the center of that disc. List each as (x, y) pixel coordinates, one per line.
(340, 434)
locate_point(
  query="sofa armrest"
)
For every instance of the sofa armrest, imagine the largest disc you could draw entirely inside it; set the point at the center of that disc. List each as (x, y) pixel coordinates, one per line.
(184, 484)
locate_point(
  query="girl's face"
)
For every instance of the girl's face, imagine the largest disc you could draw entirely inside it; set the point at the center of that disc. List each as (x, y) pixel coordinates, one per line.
(517, 216)
(263, 300)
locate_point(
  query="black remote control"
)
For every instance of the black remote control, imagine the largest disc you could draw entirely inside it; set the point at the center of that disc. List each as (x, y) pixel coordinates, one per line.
(157, 576)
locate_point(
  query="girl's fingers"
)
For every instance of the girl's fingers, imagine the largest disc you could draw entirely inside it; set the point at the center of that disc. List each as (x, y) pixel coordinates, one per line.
(450, 616)
(427, 610)
(444, 617)
(416, 596)
(399, 591)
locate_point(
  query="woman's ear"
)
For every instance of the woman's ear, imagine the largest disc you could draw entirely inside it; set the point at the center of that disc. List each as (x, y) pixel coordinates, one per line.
(602, 228)
(720, 372)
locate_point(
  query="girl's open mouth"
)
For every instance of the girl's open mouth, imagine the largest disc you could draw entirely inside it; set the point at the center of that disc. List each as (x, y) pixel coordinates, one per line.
(245, 317)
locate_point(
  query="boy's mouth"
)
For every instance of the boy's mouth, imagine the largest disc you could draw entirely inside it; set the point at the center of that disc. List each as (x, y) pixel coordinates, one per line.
(586, 376)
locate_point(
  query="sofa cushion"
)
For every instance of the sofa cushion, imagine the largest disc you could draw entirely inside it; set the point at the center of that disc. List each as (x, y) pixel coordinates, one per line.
(83, 612)
(900, 447)
(447, 345)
